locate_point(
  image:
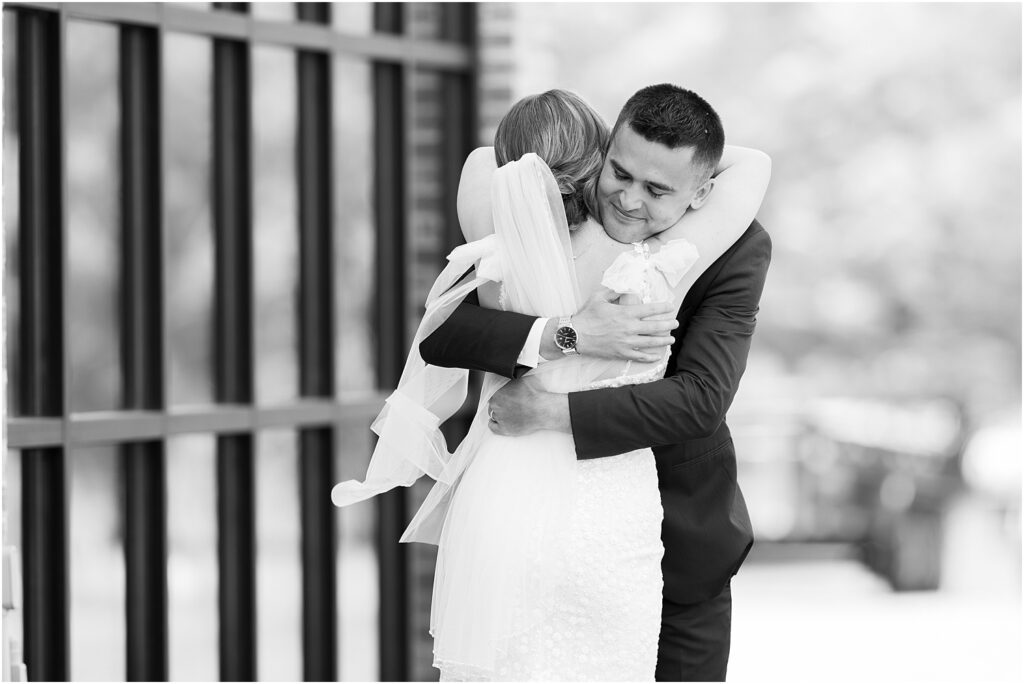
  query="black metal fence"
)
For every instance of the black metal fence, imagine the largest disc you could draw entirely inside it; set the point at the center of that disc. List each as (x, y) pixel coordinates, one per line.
(45, 427)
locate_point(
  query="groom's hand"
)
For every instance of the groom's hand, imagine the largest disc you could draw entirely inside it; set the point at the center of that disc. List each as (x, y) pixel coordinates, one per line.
(630, 332)
(518, 408)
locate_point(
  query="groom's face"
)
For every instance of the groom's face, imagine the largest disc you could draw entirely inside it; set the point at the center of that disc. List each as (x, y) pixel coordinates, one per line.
(645, 187)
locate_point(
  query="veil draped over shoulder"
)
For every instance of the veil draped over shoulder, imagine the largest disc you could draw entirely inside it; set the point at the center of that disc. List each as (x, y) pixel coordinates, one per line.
(531, 255)
(500, 525)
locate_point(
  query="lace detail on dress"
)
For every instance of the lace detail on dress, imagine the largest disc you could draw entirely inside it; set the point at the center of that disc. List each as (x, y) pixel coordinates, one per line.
(604, 621)
(502, 297)
(655, 373)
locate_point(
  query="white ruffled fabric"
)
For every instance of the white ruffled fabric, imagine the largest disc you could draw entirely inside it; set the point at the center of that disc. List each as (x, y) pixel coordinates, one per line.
(411, 443)
(651, 276)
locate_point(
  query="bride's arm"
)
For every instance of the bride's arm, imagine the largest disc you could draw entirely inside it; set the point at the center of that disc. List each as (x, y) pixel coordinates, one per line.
(740, 181)
(474, 196)
(473, 203)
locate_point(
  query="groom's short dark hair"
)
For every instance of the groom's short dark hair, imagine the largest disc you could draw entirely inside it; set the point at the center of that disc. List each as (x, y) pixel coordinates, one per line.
(676, 117)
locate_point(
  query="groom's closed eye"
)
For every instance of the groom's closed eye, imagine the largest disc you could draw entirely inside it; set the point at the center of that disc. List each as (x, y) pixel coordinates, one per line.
(655, 190)
(658, 189)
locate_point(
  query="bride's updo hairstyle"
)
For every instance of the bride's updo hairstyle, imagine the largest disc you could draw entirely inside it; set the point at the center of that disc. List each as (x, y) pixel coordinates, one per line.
(571, 138)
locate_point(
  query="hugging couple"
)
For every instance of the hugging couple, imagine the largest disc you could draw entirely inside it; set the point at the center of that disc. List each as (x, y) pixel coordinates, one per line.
(589, 523)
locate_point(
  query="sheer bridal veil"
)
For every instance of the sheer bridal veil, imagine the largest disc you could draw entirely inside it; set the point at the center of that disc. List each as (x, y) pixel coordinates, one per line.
(499, 526)
(530, 254)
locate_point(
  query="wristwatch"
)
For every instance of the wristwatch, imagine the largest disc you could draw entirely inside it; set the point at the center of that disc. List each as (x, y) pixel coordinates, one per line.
(566, 336)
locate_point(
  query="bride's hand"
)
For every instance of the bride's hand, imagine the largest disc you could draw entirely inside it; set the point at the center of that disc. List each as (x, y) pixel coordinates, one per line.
(630, 332)
(519, 408)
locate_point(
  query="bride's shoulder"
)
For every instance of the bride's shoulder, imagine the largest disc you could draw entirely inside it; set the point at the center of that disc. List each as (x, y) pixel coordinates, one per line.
(480, 160)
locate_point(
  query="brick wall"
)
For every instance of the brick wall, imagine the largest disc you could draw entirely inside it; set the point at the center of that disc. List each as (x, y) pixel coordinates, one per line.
(424, 254)
(496, 85)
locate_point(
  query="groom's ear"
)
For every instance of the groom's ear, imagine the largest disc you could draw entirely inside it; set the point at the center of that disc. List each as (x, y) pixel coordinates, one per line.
(702, 194)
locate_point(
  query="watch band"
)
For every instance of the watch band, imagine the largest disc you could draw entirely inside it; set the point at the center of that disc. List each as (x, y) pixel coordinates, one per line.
(566, 336)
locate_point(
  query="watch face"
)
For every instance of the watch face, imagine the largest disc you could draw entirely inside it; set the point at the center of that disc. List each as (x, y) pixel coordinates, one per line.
(565, 337)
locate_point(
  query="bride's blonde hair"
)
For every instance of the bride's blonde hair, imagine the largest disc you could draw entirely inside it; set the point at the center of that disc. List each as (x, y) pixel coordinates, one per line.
(569, 135)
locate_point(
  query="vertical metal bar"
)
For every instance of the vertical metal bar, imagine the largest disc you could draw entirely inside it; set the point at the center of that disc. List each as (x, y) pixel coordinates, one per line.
(39, 75)
(393, 564)
(389, 203)
(141, 213)
(315, 12)
(232, 205)
(459, 120)
(45, 515)
(316, 354)
(142, 353)
(236, 482)
(316, 302)
(233, 353)
(45, 565)
(390, 206)
(145, 561)
(319, 596)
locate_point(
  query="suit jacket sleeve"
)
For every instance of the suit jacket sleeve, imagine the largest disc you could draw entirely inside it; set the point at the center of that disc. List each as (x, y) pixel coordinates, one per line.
(710, 357)
(479, 339)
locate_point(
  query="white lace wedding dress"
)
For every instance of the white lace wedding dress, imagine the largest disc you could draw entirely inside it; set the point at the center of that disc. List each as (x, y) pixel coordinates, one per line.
(549, 567)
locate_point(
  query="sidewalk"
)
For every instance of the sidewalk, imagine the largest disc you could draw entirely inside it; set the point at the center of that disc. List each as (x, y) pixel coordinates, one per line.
(831, 620)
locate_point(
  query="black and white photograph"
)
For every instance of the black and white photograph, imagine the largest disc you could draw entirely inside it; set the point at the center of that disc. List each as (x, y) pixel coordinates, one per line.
(512, 341)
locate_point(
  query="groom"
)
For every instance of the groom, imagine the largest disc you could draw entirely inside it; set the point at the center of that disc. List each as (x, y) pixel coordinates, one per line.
(661, 143)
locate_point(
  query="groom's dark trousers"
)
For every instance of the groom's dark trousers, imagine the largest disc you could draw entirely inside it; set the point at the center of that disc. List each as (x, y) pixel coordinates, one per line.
(706, 531)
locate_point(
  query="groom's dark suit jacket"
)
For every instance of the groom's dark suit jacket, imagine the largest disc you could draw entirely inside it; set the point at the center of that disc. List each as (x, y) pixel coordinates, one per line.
(706, 531)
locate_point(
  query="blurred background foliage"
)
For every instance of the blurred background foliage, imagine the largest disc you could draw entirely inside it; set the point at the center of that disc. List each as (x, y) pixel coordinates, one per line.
(895, 203)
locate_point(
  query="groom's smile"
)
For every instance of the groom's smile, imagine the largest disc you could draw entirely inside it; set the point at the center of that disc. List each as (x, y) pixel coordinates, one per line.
(645, 187)
(624, 215)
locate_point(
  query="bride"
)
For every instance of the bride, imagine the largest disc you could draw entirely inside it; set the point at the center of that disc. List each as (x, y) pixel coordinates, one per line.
(548, 568)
